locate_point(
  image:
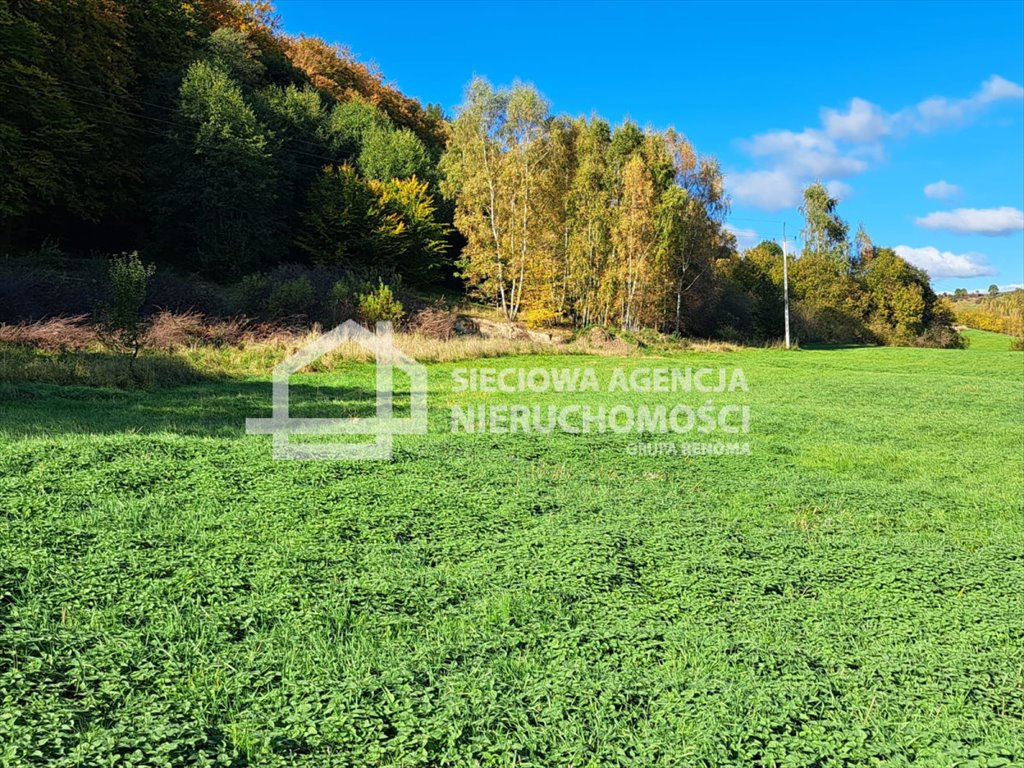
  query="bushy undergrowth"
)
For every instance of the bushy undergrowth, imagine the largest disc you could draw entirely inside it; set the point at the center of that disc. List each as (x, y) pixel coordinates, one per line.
(290, 298)
(380, 305)
(34, 289)
(308, 294)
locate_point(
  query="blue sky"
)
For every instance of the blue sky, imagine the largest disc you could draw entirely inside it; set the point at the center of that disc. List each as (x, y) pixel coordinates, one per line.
(880, 100)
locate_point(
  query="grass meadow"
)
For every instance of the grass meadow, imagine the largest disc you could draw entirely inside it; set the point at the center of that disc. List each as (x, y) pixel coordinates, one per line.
(851, 593)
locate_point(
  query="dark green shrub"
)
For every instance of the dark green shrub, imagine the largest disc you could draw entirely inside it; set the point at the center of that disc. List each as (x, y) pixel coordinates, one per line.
(941, 337)
(291, 297)
(341, 300)
(250, 294)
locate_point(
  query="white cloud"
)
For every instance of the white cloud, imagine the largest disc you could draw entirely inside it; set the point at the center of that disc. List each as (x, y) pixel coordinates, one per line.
(863, 122)
(795, 159)
(941, 190)
(976, 221)
(840, 190)
(808, 153)
(940, 264)
(745, 238)
(996, 88)
(847, 142)
(771, 190)
(938, 111)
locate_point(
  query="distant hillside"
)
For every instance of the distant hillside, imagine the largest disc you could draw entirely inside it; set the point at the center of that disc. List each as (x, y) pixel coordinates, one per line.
(1000, 313)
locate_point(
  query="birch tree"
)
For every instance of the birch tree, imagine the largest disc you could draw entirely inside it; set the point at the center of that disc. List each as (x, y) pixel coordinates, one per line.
(690, 220)
(634, 239)
(589, 206)
(493, 168)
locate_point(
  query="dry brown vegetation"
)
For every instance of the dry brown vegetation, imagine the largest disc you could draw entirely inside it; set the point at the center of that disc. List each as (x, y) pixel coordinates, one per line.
(434, 323)
(170, 330)
(53, 334)
(185, 347)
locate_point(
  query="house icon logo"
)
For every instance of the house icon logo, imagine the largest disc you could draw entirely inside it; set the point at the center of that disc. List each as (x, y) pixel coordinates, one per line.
(281, 426)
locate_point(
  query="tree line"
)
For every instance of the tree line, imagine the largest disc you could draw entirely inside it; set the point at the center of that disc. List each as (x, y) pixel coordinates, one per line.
(204, 137)
(566, 219)
(841, 291)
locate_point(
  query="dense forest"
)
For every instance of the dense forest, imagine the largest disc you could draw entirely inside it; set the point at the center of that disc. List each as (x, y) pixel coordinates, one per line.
(270, 174)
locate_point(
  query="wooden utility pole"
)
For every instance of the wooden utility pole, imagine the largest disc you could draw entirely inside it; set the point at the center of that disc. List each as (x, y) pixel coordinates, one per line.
(785, 280)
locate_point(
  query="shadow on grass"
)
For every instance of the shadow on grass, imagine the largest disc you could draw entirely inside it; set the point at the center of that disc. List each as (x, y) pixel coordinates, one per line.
(209, 409)
(824, 346)
(93, 368)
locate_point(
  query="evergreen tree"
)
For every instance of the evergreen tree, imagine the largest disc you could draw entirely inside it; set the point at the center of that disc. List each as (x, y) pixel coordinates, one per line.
(218, 185)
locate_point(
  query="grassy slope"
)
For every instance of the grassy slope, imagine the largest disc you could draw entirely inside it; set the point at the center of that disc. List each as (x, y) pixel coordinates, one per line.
(849, 594)
(986, 340)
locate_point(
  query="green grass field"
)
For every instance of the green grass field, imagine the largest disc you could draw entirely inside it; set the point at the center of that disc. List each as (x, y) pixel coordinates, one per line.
(987, 341)
(849, 594)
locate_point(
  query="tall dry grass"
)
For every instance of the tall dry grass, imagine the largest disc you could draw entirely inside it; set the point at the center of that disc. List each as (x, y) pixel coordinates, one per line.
(187, 347)
(259, 358)
(53, 334)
